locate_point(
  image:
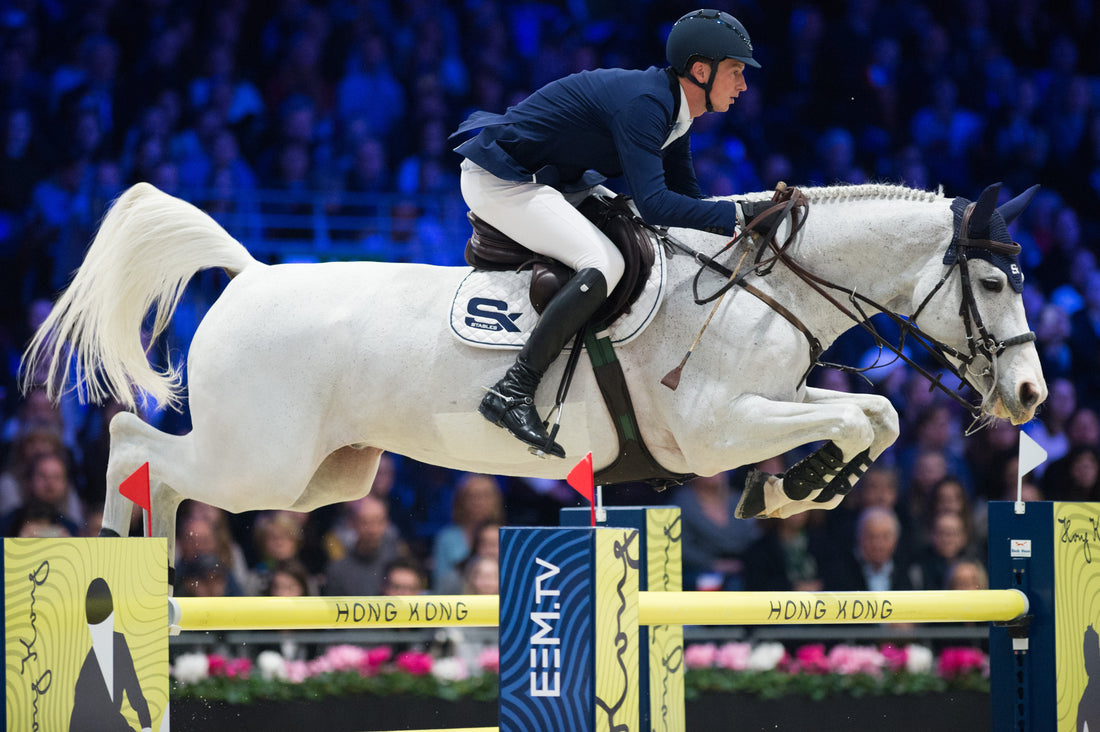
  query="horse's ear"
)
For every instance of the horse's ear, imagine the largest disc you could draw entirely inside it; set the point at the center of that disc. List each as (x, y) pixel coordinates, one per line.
(983, 210)
(1011, 209)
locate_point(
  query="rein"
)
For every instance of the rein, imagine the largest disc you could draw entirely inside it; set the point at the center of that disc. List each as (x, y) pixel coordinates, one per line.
(796, 204)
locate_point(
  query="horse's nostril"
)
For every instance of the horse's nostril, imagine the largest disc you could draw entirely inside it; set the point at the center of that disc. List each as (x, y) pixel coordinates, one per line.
(1029, 394)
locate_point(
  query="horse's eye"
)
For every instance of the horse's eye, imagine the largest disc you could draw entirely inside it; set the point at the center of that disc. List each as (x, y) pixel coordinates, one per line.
(993, 284)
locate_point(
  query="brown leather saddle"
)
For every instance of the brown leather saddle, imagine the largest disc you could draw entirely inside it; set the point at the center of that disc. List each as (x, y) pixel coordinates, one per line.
(490, 249)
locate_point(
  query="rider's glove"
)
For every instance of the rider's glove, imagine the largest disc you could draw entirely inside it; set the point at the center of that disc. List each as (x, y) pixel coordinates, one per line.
(751, 210)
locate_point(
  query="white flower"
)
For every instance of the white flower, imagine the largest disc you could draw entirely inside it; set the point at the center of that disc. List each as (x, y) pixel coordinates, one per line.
(191, 668)
(450, 669)
(918, 659)
(272, 666)
(766, 656)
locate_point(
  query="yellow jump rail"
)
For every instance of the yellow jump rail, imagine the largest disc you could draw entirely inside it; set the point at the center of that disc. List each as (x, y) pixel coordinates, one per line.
(655, 608)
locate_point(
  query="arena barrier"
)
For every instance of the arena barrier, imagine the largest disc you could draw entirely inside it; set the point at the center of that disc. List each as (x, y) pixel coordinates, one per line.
(583, 648)
(590, 619)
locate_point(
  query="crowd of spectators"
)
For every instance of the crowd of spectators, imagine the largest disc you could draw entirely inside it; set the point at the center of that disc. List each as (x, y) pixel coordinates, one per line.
(345, 99)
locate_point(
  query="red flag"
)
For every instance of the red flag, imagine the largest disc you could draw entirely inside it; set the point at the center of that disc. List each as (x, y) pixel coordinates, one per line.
(583, 482)
(136, 488)
(580, 477)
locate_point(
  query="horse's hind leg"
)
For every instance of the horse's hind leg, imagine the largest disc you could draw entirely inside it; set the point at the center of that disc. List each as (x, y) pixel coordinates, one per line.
(134, 443)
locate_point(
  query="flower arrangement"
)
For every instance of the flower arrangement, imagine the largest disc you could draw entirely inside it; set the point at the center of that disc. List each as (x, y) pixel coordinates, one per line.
(766, 670)
(341, 670)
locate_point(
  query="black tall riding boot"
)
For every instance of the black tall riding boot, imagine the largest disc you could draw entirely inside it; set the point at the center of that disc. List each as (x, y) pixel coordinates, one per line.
(511, 402)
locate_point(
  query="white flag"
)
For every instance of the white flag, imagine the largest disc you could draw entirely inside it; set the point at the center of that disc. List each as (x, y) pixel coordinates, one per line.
(1032, 455)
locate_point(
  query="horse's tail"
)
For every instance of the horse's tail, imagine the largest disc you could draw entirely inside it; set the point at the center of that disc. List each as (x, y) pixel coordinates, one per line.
(147, 248)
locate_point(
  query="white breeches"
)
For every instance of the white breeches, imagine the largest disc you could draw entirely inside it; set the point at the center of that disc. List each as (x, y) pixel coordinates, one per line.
(543, 219)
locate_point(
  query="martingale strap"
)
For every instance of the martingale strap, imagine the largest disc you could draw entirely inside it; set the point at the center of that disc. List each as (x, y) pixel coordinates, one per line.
(634, 463)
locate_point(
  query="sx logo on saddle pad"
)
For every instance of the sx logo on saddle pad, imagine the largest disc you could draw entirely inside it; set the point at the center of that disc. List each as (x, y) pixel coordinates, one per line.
(493, 309)
(492, 315)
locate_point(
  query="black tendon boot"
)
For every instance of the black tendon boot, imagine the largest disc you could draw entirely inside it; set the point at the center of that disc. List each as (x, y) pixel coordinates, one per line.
(511, 402)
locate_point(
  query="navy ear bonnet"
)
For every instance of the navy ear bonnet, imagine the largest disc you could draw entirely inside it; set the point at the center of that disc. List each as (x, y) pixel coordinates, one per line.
(994, 229)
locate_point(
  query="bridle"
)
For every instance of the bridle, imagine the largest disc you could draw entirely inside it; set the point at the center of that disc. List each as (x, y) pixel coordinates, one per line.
(793, 203)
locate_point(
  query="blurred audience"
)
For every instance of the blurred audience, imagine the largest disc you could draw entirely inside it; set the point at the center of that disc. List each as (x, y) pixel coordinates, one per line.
(377, 544)
(337, 113)
(477, 500)
(874, 563)
(784, 558)
(713, 541)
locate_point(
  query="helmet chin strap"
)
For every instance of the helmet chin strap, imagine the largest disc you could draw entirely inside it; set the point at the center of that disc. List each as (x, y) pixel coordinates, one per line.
(707, 85)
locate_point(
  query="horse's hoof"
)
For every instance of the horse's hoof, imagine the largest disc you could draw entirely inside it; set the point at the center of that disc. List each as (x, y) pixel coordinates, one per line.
(109, 533)
(751, 504)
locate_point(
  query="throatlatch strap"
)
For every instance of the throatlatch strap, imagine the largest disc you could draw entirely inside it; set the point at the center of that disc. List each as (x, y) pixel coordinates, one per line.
(634, 463)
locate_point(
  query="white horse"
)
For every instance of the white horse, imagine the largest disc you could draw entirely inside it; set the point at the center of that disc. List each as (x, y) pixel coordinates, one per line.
(301, 375)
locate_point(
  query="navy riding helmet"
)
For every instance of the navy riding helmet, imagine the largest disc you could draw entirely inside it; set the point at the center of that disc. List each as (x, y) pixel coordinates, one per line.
(712, 34)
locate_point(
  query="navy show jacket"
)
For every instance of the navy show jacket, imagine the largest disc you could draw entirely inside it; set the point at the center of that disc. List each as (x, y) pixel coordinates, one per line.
(576, 131)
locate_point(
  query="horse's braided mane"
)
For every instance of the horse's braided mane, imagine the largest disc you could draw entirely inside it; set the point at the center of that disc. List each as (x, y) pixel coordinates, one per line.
(858, 192)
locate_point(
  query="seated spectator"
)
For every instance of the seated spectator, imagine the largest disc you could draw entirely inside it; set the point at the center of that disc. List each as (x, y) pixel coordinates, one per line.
(377, 544)
(713, 540)
(1049, 427)
(339, 536)
(25, 448)
(486, 544)
(49, 481)
(879, 487)
(36, 520)
(278, 536)
(477, 499)
(783, 559)
(948, 496)
(1082, 430)
(875, 563)
(936, 430)
(204, 576)
(288, 578)
(967, 574)
(202, 529)
(482, 576)
(404, 577)
(948, 542)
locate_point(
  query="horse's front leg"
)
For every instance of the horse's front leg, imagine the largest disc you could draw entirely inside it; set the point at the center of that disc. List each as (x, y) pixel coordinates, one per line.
(853, 429)
(828, 493)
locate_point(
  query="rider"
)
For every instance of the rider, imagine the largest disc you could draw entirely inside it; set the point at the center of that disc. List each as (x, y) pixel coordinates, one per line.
(527, 169)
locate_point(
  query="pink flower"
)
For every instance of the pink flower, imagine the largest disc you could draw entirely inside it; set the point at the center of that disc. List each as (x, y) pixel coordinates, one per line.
(345, 657)
(374, 659)
(811, 659)
(217, 663)
(956, 661)
(378, 656)
(238, 668)
(297, 671)
(700, 655)
(733, 656)
(855, 660)
(896, 658)
(320, 665)
(417, 664)
(489, 660)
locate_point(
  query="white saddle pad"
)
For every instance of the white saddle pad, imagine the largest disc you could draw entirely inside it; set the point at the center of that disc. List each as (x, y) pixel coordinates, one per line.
(493, 309)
